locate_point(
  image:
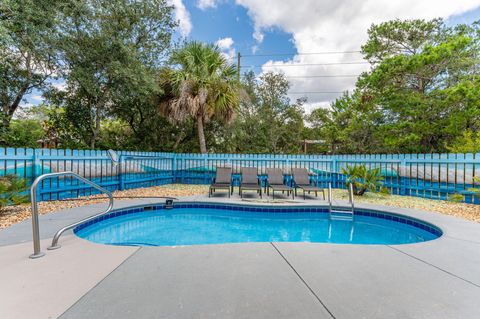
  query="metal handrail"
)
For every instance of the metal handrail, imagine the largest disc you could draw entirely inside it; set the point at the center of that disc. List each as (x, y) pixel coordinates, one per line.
(350, 196)
(35, 227)
(330, 197)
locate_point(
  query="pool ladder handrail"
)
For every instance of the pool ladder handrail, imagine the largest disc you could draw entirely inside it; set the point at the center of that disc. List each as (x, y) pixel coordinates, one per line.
(35, 225)
(350, 201)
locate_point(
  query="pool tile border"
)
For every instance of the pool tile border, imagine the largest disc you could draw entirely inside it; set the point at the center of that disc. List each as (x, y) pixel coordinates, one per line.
(265, 209)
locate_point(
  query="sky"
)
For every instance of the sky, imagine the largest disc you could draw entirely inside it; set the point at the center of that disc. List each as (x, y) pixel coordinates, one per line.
(305, 39)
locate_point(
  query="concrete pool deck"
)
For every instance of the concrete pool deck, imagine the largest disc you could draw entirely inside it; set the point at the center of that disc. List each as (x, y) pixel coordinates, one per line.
(435, 279)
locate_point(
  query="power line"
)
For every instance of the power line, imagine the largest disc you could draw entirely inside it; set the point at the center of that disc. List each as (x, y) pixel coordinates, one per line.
(319, 76)
(322, 76)
(304, 53)
(303, 64)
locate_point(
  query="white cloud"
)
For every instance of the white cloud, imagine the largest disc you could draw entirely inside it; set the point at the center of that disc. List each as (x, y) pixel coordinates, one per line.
(183, 16)
(206, 4)
(37, 98)
(258, 35)
(254, 49)
(334, 25)
(226, 45)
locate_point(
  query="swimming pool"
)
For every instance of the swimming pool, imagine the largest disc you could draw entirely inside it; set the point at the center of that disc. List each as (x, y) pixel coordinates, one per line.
(200, 223)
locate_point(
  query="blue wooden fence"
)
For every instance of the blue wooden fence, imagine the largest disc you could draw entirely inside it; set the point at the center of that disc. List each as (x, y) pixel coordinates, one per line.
(423, 175)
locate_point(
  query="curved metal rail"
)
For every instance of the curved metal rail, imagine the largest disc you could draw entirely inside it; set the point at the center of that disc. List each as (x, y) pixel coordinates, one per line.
(35, 227)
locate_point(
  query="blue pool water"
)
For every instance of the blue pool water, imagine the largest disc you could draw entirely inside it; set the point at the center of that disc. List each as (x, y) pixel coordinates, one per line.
(193, 226)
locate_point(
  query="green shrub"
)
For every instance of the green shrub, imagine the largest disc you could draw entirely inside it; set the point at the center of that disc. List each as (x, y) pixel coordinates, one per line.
(363, 179)
(12, 191)
(456, 198)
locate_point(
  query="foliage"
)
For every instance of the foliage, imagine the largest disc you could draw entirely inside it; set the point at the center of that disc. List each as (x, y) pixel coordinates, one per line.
(475, 190)
(420, 95)
(267, 121)
(24, 133)
(469, 142)
(202, 87)
(110, 50)
(456, 198)
(362, 179)
(27, 54)
(12, 191)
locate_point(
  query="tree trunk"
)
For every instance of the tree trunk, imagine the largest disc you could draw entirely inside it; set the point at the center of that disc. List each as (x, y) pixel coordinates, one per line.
(96, 128)
(201, 135)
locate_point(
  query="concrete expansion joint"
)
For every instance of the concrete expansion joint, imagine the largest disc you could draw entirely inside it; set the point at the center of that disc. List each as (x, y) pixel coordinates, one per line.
(303, 281)
(461, 239)
(433, 266)
(98, 283)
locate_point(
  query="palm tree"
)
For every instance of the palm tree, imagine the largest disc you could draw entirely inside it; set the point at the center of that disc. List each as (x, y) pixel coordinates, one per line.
(202, 84)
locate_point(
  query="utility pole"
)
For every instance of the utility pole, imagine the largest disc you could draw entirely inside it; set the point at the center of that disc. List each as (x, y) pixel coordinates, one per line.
(238, 66)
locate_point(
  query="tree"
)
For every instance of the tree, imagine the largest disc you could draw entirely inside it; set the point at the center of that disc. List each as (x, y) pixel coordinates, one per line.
(24, 133)
(27, 51)
(202, 86)
(110, 50)
(267, 121)
(469, 142)
(420, 95)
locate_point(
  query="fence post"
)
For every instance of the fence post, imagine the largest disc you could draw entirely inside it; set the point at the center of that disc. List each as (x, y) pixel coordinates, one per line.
(206, 169)
(121, 182)
(333, 176)
(174, 167)
(403, 186)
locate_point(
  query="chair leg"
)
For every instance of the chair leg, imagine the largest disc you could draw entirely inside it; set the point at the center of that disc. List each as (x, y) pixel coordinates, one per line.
(323, 192)
(304, 197)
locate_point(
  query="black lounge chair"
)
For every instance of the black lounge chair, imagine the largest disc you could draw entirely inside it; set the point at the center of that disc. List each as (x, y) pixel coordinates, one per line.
(250, 181)
(301, 180)
(222, 180)
(275, 182)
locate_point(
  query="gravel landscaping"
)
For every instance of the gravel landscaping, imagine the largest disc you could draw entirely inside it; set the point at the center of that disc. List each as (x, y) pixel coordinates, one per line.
(16, 214)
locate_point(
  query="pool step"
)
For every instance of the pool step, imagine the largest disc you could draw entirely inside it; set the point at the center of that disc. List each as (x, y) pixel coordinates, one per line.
(341, 215)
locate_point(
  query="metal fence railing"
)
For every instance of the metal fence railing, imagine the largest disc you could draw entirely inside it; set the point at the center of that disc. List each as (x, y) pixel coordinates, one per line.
(424, 175)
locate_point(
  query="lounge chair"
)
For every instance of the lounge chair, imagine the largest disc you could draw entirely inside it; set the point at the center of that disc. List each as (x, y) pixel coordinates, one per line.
(222, 180)
(301, 180)
(250, 181)
(275, 182)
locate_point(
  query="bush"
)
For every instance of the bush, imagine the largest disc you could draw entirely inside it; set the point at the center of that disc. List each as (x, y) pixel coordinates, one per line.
(12, 191)
(455, 198)
(363, 179)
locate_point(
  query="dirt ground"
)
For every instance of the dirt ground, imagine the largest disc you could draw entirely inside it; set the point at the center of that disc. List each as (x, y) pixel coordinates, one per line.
(15, 214)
